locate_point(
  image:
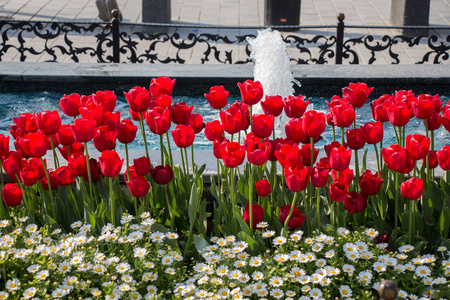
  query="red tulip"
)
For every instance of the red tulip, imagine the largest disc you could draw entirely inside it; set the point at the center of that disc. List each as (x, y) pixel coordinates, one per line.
(306, 155)
(158, 120)
(443, 157)
(425, 106)
(162, 100)
(216, 146)
(96, 171)
(233, 119)
(217, 97)
(28, 176)
(380, 108)
(397, 159)
(257, 212)
(343, 113)
(329, 119)
(70, 105)
(181, 113)
(324, 163)
(412, 189)
(161, 86)
(162, 174)
(445, 118)
(319, 177)
(65, 135)
(196, 122)
(213, 130)
(332, 145)
(251, 91)
(262, 125)
(263, 188)
(406, 98)
(232, 154)
(138, 186)
(64, 176)
(36, 164)
(355, 139)
(370, 183)
(12, 194)
(48, 121)
(314, 123)
(338, 191)
(138, 99)
(111, 119)
(34, 144)
(183, 136)
(373, 132)
(357, 93)
(126, 131)
(272, 105)
(4, 145)
(398, 114)
(142, 166)
(345, 176)
(110, 163)
(136, 116)
(340, 158)
(73, 148)
(297, 177)
(355, 202)
(288, 155)
(433, 122)
(297, 218)
(257, 153)
(105, 138)
(53, 182)
(417, 146)
(432, 159)
(295, 107)
(94, 112)
(107, 98)
(83, 130)
(77, 162)
(294, 130)
(27, 122)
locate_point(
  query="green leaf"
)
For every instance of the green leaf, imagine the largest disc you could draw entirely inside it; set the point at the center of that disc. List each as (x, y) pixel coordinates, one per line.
(242, 224)
(253, 248)
(202, 218)
(193, 206)
(201, 244)
(363, 168)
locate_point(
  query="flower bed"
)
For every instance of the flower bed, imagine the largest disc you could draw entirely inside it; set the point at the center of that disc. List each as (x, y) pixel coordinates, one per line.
(403, 200)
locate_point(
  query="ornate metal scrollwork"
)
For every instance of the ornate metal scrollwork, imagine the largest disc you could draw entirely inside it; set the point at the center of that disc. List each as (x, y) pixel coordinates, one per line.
(325, 44)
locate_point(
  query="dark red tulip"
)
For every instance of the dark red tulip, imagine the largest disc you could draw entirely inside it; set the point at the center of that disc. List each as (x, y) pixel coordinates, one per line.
(48, 121)
(373, 132)
(343, 113)
(27, 122)
(397, 159)
(263, 188)
(345, 176)
(70, 105)
(73, 148)
(382, 238)
(340, 158)
(142, 166)
(34, 144)
(257, 214)
(425, 106)
(138, 186)
(257, 153)
(232, 154)
(412, 189)
(443, 157)
(357, 93)
(4, 145)
(53, 182)
(36, 164)
(329, 119)
(380, 108)
(180, 113)
(83, 130)
(162, 100)
(158, 120)
(213, 130)
(355, 139)
(272, 105)
(295, 107)
(162, 174)
(65, 135)
(28, 176)
(319, 177)
(110, 163)
(297, 177)
(262, 125)
(107, 98)
(398, 114)
(338, 191)
(251, 91)
(93, 112)
(273, 147)
(64, 176)
(111, 119)
(232, 119)
(183, 136)
(161, 86)
(77, 162)
(216, 146)
(324, 163)
(297, 218)
(433, 122)
(355, 202)
(288, 155)
(196, 122)
(138, 99)
(314, 123)
(417, 146)
(126, 131)
(332, 145)
(306, 155)
(370, 183)
(105, 138)
(96, 171)
(294, 130)
(432, 159)
(12, 194)
(217, 97)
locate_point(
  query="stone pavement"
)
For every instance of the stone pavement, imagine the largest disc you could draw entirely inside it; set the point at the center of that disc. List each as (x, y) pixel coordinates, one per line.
(234, 13)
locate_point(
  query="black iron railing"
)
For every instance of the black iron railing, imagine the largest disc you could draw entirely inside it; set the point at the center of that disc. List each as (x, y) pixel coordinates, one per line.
(121, 42)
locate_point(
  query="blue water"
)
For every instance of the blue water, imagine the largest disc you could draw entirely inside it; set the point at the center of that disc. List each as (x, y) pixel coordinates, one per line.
(13, 104)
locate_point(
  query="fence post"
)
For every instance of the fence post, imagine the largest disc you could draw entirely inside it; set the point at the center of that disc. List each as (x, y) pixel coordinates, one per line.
(339, 38)
(116, 35)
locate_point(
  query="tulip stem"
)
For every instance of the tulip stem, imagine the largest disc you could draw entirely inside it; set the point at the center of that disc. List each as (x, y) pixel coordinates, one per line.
(141, 124)
(2, 208)
(128, 163)
(162, 149)
(378, 159)
(172, 225)
(194, 167)
(342, 137)
(334, 133)
(357, 171)
(88, 167)
(111, 200)
(396, 135)
(311, 140)
(187, 160)
(432, 148)
(170, 150)
(404, 136)
(410, 222)
(49, 187)
(251, 184)
(182, 161)
(274, 184)
(396, 200)
(318, 210)
(55, 157)
(286, 222)
(425, 121)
